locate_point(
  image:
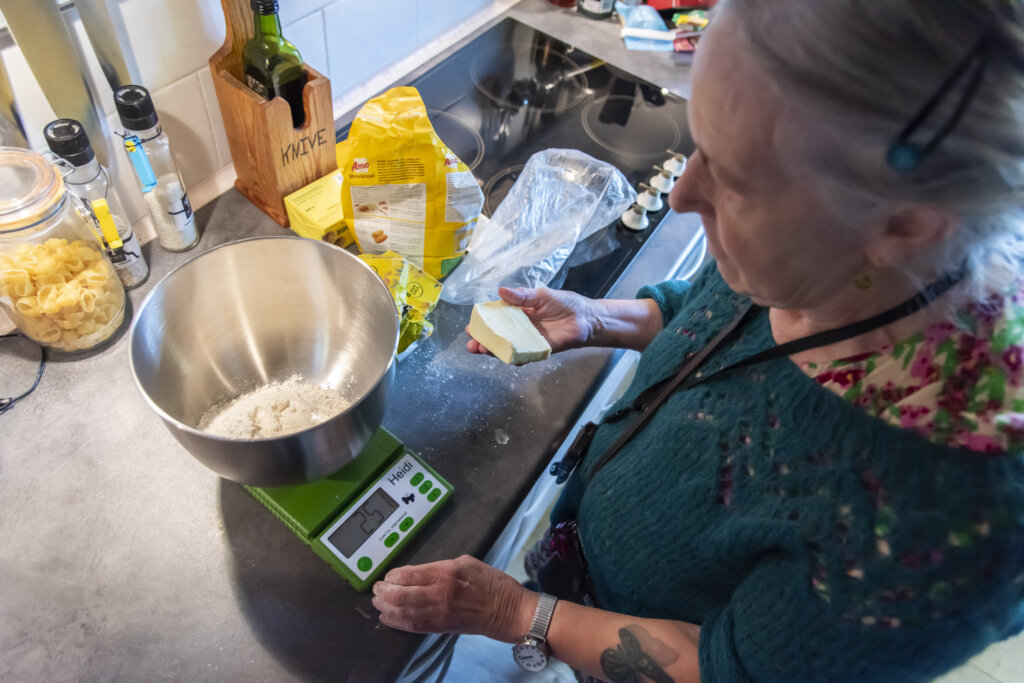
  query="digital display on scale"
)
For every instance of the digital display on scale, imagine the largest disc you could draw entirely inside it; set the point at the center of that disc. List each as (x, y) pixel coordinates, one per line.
(363, 521)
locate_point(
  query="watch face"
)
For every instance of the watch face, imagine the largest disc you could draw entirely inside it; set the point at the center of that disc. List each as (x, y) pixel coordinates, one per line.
(529, 655)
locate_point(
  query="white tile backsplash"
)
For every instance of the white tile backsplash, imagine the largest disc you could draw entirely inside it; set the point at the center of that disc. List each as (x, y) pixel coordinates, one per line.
(291, 11)
(365, 36)
(438, 16)
(220, 138)
(168, 39)
(307, 34)
(183, 117)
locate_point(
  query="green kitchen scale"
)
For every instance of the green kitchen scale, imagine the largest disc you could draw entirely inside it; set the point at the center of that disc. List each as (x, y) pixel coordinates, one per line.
(360, 517)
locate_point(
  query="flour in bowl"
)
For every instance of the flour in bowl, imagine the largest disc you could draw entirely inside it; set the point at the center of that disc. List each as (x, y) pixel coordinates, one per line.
(273, 410)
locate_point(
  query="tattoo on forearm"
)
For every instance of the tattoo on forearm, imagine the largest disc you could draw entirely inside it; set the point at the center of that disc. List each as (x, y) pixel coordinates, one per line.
(630, 662)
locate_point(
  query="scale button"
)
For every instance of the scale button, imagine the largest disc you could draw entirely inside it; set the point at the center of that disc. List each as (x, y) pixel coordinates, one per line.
(426, 486)
(364, 564)
(391, 540)
(406, 524)
(434, 495)
(416, 479)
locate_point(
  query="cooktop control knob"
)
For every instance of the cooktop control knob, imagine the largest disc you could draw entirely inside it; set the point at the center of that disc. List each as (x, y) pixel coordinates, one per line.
(675, 164)
(650, 198)
(636, 218)
(663, 181)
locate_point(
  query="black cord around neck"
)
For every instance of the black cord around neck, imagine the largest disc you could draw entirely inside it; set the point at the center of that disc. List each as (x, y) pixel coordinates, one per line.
(912, 305)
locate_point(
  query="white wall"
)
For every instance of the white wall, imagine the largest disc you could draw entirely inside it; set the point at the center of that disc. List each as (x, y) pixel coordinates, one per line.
(167, 45)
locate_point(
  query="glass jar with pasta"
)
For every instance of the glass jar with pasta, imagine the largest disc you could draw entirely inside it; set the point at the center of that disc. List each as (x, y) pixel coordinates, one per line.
(56, 284)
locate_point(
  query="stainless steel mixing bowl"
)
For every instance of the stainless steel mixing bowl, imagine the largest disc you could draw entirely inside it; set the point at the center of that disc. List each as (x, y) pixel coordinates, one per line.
(258, 311)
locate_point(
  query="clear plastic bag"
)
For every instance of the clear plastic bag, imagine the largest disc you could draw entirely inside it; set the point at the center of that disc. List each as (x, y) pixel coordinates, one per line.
(561, 197)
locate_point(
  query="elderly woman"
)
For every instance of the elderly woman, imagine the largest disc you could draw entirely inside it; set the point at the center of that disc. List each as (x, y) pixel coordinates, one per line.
(849, 504)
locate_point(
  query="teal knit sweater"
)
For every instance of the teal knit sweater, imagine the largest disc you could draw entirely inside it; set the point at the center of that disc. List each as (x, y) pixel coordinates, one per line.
(810, 540)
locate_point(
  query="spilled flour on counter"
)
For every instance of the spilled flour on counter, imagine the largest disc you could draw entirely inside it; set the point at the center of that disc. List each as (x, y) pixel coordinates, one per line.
(273, 410)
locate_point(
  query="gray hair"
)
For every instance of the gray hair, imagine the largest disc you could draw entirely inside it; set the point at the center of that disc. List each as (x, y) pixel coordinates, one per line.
(854, 73)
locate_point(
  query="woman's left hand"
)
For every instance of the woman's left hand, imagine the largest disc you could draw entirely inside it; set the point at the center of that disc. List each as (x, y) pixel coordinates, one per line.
(463, 595)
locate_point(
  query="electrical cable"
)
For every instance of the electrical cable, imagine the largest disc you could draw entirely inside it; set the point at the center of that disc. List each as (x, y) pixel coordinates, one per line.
(9, 403)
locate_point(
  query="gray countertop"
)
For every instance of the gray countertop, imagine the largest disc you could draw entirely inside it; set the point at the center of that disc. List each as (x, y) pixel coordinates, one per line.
(123, 558)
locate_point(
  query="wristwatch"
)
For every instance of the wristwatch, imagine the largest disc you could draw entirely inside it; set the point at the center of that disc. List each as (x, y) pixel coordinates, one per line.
(531, 653)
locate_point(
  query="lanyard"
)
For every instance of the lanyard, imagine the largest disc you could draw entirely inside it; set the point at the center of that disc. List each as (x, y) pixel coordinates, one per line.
(688, 374)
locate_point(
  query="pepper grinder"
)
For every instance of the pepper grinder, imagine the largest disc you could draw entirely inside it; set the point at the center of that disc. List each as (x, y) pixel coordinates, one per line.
(95, 200)
(149, 151)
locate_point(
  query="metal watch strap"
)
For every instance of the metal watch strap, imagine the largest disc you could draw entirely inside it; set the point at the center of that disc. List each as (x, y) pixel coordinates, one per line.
(542, 617)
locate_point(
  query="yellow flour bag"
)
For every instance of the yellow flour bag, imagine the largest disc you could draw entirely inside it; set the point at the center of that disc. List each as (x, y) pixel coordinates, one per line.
(404, 189)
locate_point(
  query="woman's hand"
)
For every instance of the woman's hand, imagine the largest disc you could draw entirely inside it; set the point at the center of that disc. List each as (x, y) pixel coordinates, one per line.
(467, 596)
(566, 319)
(463, 595)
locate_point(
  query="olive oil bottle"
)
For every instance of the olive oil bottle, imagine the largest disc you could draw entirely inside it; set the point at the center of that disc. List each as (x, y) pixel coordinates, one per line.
(273, 66)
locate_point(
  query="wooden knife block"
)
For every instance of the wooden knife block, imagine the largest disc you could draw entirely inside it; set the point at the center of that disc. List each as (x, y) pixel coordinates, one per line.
(272, 159)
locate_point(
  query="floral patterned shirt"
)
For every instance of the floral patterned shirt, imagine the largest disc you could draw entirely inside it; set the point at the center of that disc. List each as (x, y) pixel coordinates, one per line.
(957, 383)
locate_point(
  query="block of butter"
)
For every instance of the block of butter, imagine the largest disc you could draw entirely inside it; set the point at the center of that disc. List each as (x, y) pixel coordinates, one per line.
(314, 211)
(507, 333)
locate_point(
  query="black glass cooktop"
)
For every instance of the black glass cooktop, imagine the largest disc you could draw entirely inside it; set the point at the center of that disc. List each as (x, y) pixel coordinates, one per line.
(513, 91)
